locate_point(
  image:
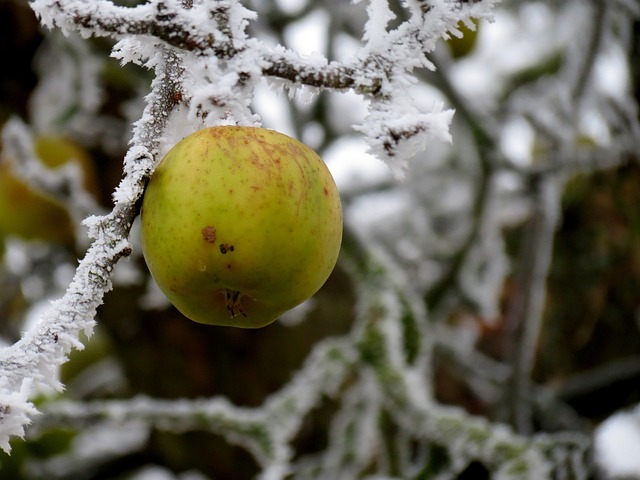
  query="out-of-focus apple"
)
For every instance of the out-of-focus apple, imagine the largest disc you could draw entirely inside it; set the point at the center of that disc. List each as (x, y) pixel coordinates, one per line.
(462, 46)
(31, 214)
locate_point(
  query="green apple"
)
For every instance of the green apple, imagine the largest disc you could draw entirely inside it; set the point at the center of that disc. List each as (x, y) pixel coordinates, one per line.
(240, 224)
(462, 46)
(31, 214)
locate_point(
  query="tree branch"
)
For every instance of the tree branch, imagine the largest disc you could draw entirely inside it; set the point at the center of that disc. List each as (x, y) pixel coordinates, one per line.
(34, 359)
(524, 313)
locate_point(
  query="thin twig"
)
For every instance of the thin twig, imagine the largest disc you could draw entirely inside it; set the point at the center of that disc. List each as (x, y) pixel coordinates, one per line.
(524, 312)
(599, 20)
(485, 142)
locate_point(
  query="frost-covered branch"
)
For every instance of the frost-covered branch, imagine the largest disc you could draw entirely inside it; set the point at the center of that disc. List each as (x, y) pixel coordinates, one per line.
(264, 431)
(599, 19)
(33, 360)
(382, 70)
(526, 308)
(486, 143)
(185, 29)
(156, 19)
(406, 396)
(242, 426)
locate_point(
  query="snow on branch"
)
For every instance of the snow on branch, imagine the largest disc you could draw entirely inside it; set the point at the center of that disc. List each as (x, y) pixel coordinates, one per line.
(158, 19)
(264, 431)
(381, 71)
(243, 426)
(406, 396)
(34, 359)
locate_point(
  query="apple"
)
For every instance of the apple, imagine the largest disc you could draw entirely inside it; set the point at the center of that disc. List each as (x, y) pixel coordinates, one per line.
(31, 214)
(240, 224)
(462, 46)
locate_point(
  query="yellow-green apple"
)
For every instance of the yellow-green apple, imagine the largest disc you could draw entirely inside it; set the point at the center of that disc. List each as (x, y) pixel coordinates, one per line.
(240, 224)
(462, 46)
(32, 214)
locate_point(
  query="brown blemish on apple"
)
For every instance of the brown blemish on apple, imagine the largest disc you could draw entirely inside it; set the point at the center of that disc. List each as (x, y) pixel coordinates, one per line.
(225, 247)
(232, 299)
(209, 234)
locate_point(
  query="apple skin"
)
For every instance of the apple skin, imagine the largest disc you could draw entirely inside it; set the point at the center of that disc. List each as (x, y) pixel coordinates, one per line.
(34, 215)
(240, 224)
